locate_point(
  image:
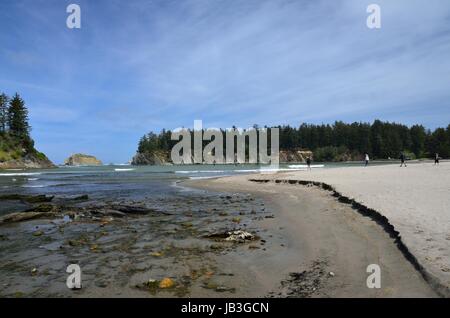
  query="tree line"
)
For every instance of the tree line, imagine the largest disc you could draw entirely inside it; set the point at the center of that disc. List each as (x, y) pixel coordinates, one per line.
(14, 123)
(343, 141)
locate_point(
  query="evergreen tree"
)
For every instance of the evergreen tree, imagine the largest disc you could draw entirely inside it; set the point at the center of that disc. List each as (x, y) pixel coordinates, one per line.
(3, 113)
(418, 135)
(18, 118)
(342, 141)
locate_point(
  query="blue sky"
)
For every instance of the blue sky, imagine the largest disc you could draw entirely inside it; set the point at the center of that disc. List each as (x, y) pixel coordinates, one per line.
(136, 66)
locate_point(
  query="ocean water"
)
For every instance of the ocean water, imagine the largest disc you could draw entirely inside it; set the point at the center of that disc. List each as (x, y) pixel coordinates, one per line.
(110, 181)
(116, 182)
(124, 180)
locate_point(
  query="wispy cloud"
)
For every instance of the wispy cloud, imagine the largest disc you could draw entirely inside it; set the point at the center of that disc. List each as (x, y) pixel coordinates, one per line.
(141, 65)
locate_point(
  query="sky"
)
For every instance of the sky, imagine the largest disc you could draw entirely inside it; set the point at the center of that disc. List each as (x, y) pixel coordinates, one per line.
(138, 66)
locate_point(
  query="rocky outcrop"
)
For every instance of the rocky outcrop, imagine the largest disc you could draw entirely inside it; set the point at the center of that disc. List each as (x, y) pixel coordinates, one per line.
(29, 161)
(154, 158)
(163, 157)
(82, 160)
(295, 155)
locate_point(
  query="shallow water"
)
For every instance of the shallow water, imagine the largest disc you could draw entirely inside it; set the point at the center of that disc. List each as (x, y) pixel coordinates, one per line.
(117, 253)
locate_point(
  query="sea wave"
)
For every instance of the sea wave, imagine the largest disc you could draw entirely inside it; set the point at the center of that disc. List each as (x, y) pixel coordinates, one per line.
(206, 177)
(124, 169)
(306, 166)
(20, 174)
(187, 171)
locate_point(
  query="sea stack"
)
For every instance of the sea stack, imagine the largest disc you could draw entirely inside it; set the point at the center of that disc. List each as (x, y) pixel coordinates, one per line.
(80, 159)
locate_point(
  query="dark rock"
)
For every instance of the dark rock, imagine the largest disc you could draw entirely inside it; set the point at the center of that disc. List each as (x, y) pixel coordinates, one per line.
(27, 198)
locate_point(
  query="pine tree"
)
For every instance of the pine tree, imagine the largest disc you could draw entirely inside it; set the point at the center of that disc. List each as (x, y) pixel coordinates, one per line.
(3, 113)
(18, 118)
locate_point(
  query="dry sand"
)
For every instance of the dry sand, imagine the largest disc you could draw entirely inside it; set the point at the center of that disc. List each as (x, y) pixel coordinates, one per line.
(415, 201)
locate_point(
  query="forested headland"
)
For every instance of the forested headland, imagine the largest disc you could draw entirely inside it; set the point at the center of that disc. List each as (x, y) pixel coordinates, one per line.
(340, 141)
(16, 145)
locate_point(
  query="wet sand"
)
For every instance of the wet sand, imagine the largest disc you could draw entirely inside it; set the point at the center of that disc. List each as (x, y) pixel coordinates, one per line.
(414, 200)
(326, 248)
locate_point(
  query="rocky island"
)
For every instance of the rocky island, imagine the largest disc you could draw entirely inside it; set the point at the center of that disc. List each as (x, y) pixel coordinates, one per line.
(80, 159)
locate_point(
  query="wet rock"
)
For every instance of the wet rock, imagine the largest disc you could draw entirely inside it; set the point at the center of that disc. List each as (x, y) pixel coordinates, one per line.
(27, 198)
(129, 209)
(236, 220)
(110, 212)
(222, 289)
(233, 236)
(82, 240)
(166, 283)
(157, 254)
(22, 216)
(101, 284)
(218, 288)
(44, 207)
(80, 198)
(306, 283)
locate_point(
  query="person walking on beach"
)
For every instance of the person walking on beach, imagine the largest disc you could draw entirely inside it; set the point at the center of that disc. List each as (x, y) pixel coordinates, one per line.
(366, 159)
(308, 162)
(402, 160)
(436, 159)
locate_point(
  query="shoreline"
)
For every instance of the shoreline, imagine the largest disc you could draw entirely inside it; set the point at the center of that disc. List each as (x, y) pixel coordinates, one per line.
(281, 194)
(304, 242)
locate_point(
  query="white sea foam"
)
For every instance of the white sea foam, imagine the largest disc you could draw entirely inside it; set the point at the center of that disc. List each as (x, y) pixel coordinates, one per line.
(34, 186)
(124, 169)
(187, 171)
(20, 174)
(291, 168)
(208, 177)
(306, 166)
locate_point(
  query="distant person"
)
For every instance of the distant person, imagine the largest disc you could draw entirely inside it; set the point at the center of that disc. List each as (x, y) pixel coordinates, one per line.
(308, 162)
(436, 159)
(366, 159)
(402, 160)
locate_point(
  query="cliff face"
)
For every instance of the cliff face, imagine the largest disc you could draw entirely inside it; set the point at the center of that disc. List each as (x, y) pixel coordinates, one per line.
(16, 153)
(33, 160)
(154, 158)
(82, 160)
(163, 157)
(294, 155)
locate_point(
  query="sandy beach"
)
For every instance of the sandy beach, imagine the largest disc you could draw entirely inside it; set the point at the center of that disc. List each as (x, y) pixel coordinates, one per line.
(320, 229)
(286, 234)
